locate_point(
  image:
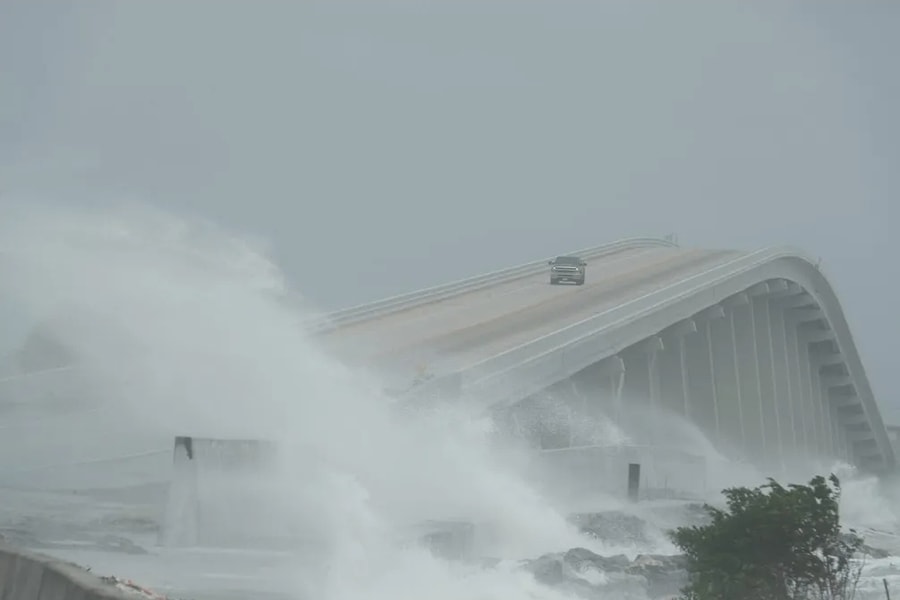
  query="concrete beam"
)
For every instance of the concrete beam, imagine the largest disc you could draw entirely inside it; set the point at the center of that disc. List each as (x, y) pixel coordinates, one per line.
(816, 335)
(862, 438)
(836, 380)
(778, 286)
(857, 427)
(783, 290)
(806, 315)
(739, 299)
(842, 392)
(854, 421)
(844, 401)
(652, 344)
(760, 289)
(870, 454)
(711, 314)
(830, 359)
(611, 367)
(801, 300)
(795, 288)
(680, 328)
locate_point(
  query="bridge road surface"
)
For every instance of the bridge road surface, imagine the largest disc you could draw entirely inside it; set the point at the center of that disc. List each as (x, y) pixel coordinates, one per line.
(454, 333)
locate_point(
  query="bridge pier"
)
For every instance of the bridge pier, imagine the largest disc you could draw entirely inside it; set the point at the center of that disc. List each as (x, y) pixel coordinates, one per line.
(641, 376)
(830, 367)
(701, 384)
(800, 404)
(825, 407)
(747, 360)
(673, 368)
(781, 378)
(723, 360)
(709, 318)
(600, 388)
(811, 335)
(653, 347)
(846, 402)
(760, 374)
(768, 385)
(812, 422)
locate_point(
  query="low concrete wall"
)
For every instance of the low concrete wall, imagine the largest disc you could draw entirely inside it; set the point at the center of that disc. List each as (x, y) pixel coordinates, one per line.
(27, 576)
(586, 471)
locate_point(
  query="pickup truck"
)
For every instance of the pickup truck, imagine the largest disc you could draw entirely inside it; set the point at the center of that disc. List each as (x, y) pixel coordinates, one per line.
(567, 268)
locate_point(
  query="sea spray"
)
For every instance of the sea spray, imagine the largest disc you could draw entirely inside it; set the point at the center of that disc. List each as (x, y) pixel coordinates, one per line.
(181, 329)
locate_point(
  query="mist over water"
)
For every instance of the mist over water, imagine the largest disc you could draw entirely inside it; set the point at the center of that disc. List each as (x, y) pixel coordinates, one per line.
(182, 328)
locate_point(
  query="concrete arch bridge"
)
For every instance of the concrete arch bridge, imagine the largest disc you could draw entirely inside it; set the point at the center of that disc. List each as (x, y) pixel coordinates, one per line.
(751, 347)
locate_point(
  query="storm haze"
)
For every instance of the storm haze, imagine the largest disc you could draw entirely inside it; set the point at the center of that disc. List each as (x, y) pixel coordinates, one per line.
(411, 143)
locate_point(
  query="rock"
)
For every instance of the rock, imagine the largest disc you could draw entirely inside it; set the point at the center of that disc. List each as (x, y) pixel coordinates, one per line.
(590, 575)
(547, 569)
(874, 552)
(579, 558)
(665, 575)
(866, 549)
(613, 526)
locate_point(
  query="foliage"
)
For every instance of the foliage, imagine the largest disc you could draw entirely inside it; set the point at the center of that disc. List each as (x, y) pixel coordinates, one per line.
(772, 543)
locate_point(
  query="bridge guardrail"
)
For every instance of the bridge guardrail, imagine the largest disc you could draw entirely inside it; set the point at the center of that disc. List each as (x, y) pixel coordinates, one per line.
(518, 357)
(355, 314)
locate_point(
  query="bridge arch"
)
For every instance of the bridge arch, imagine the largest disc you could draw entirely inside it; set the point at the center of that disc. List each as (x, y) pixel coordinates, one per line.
(784, 347)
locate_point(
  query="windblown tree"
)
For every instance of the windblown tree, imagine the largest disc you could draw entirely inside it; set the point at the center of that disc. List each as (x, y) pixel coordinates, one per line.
(772, 543)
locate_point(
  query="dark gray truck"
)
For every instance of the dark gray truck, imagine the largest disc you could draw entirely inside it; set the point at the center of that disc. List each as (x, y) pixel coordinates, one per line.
(567, 268)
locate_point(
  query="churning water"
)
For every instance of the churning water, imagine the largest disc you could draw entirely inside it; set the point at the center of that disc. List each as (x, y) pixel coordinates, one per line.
(182, 328)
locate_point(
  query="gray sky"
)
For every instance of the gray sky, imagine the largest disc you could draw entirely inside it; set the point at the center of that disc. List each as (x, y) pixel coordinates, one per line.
(414, 142)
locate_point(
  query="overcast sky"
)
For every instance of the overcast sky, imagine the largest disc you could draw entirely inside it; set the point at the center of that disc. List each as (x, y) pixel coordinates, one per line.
(412, 142)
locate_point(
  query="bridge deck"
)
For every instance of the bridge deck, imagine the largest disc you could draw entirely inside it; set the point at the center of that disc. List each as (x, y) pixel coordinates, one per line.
(457, 332)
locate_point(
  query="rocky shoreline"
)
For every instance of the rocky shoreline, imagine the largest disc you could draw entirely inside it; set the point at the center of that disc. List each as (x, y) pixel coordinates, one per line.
(647, 576)
(590, 575)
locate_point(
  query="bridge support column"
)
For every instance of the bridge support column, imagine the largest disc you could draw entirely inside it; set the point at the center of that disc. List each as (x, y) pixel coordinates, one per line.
(746, 357)
(781, 374)
(814, 336)
(685, 378)
(802, 414)
(842, 396)
(828, 423)
(830, 368)
(770, 418)
(598, 387)
(702, 407)
(707, 321)
(835, 424)
(843, 442)
(654, 346)
(725, 367)
(832, 371)
(603, 382)
(641, 385)
(816, 424)
(673, 369)
(813, 439)
(618, 388)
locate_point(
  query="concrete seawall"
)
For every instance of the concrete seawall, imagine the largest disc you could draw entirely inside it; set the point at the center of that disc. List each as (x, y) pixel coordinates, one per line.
(29, 576)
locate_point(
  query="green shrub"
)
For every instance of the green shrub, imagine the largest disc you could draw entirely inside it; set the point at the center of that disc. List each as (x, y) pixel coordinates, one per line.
(772, 543)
